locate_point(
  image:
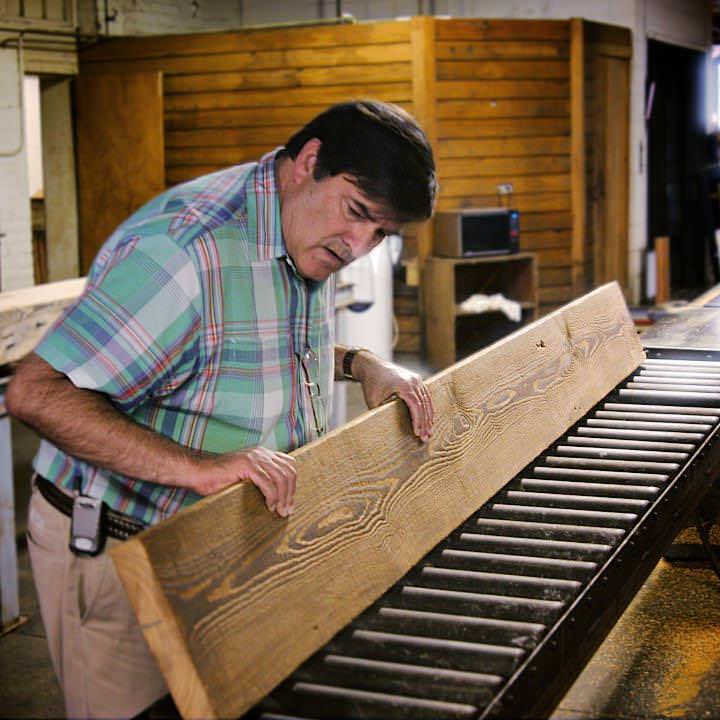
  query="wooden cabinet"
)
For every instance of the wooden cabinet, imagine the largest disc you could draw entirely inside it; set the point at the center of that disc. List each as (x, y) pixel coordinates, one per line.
(452, 333)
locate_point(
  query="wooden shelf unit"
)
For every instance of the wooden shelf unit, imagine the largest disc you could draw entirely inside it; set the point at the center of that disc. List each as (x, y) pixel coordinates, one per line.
(451, 334)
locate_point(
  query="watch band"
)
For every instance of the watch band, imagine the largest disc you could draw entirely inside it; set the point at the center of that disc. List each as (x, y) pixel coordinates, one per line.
(348, 359)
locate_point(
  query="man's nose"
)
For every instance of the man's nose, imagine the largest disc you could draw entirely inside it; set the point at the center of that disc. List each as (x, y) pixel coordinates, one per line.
(360, 240)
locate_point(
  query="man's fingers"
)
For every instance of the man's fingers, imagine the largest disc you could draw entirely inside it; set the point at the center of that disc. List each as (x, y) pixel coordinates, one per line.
(423, 426)
(286, 468)
(274, 474)
(263, 482)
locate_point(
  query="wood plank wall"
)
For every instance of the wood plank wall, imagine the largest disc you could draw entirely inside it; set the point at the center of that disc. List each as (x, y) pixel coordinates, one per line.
(503, 115)
(497, 108)
(230, 97)
(608, 51)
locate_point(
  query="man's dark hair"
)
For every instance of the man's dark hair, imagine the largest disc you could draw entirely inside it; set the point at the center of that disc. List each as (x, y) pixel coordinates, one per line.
(381, 148)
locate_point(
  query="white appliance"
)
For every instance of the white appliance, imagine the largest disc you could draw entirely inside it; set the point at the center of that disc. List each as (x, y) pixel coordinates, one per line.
(364, 310)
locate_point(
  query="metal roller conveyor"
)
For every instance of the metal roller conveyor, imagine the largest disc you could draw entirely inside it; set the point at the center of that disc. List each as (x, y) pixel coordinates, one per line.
(493, 621)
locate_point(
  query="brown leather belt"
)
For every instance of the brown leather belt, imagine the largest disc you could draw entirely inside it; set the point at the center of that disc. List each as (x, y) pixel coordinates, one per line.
(114, 524)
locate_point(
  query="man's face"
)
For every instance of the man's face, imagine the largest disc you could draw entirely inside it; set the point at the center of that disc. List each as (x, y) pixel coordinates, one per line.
(329, 223)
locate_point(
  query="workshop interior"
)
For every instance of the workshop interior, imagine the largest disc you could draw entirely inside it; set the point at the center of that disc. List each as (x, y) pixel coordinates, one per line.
(555, 550)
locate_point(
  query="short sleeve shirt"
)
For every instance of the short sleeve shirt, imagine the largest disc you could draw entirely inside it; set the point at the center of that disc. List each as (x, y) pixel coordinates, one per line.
(193, 323)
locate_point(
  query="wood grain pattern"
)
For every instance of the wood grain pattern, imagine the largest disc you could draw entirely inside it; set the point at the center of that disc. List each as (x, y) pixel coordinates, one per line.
(484, 90)
(530, 202)
(423, 45)
(232, 599)
(476, 30)
(450, 89)
(310, 36)
(578, 174)
(498, 129)
(26, 315)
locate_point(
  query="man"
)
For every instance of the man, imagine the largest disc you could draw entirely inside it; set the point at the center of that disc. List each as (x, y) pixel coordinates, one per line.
(200, 353)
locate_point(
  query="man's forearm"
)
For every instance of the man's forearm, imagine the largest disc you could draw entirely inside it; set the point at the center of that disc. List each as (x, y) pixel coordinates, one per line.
(84, 424)
(382, 380)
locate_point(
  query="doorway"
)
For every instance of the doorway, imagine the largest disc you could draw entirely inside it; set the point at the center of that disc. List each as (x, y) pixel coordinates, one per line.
(679, 157)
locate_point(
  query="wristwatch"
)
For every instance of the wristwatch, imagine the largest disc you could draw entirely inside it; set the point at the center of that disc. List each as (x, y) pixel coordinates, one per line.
(348, 360)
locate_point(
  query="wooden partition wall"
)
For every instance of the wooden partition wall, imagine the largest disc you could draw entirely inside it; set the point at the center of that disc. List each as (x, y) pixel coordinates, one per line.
(503, 101)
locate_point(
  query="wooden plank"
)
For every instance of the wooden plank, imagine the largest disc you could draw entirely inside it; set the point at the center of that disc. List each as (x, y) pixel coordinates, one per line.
(504, 128)
(408, 344)
(408, 324)
(262, 60)
(577, 153)
(228, 107)
(617, 169)
(553, 257)
(223, 156)
(479, 166)
(309, 36)
(283, 81)
(440, 312)
(691, 328)
(25, 315)
(501, 69)
(662, 269)
(469, 90)
(230, 137)
(545, 239)
(232, 599)
(521, 184)
(526, 203)
(556, 276)
(532, 222)
(477, 30)
(503, 146)
(120, 151)
(422, 42)
(221, 113)
(555, 294)
(491, 108)
(502, 50)
(182, 173)
(282, 100)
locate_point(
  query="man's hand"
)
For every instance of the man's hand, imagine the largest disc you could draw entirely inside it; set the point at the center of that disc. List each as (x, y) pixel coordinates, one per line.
(273, 473)
(382, 380)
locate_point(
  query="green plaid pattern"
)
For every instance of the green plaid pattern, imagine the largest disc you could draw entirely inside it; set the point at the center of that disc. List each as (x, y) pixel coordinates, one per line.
(192, 323)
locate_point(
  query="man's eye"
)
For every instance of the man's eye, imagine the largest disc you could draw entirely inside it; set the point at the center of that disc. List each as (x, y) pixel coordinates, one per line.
(355, 212)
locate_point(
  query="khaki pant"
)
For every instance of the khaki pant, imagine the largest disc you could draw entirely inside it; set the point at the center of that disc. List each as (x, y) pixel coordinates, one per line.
(99, 654)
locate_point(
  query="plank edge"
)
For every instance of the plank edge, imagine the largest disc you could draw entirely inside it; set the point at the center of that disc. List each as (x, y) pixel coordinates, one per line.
(160, 628)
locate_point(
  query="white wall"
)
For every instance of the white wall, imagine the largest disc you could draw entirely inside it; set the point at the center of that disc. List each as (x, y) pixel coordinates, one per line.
(16, 264)
(33, 141)
(614, 12)
(153, 17)
(680, 22)
(260, 12)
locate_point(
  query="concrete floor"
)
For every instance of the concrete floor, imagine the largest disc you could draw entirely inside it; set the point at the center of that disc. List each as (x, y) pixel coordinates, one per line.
(662, 659)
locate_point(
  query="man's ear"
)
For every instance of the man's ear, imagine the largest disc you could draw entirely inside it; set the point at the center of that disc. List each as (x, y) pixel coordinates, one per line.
(306, 159)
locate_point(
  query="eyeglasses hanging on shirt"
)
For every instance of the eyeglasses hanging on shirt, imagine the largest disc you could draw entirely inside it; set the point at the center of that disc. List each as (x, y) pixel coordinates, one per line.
(310, 364)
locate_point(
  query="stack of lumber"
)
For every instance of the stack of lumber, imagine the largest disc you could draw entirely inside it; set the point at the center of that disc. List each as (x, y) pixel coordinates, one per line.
(26, 315)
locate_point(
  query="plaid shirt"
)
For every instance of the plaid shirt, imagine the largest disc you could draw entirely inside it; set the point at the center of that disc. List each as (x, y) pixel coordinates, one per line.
(192, 323)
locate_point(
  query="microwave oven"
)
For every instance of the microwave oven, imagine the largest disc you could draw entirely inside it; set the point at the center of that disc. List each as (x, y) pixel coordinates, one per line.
(477, 231)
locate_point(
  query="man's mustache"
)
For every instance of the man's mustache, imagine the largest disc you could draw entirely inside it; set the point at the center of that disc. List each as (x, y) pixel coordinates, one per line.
(342, 252)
